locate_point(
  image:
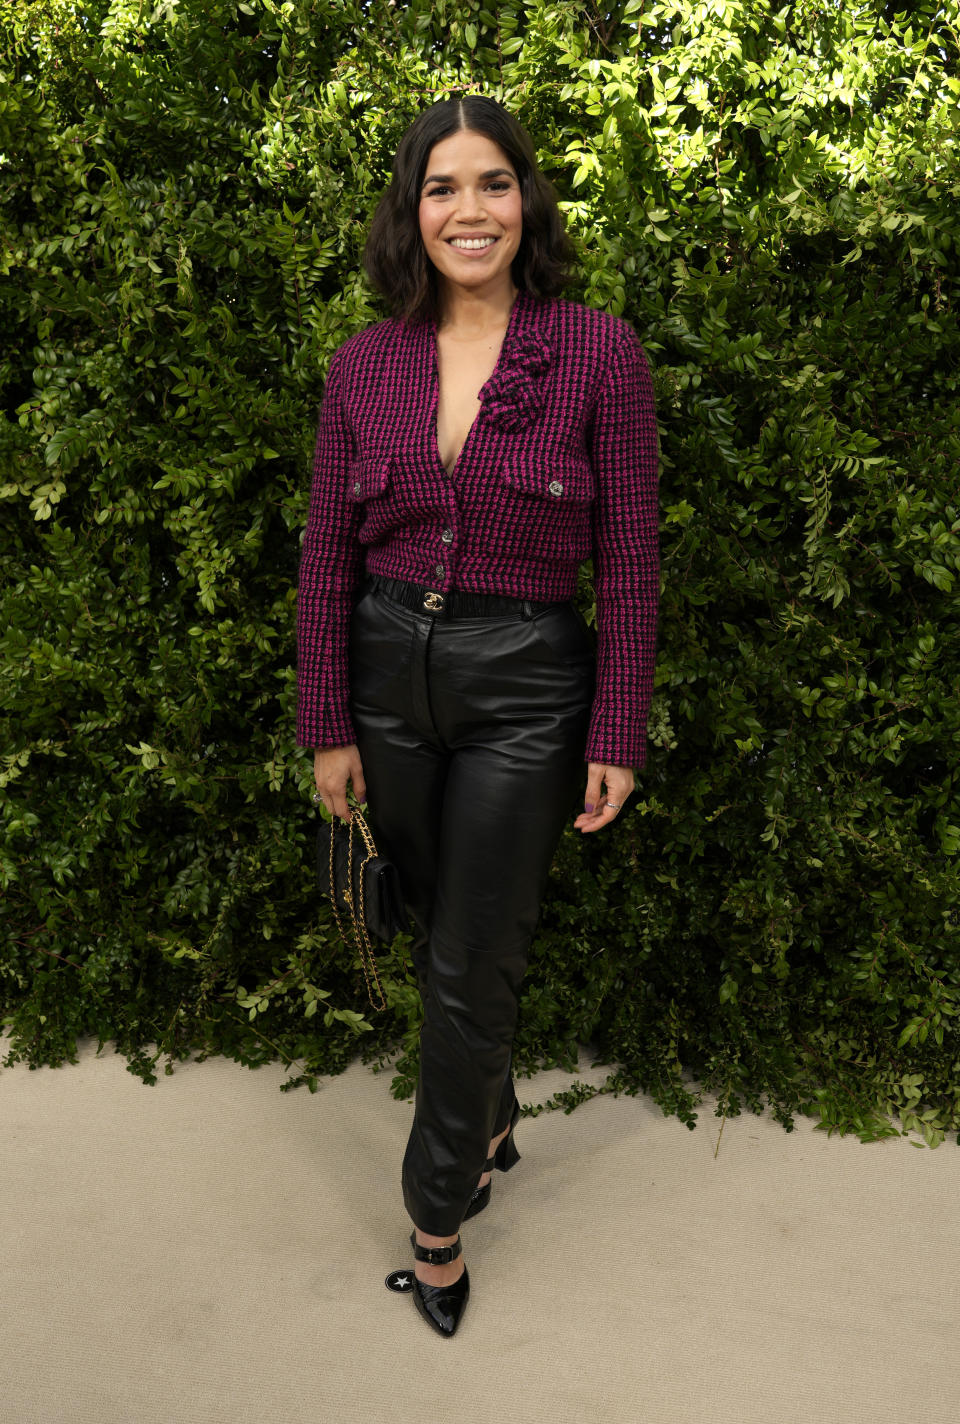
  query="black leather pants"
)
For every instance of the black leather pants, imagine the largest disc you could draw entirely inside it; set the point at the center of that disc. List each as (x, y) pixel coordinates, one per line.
(472, 733)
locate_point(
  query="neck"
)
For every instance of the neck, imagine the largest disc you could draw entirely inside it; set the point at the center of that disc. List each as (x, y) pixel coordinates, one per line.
(474, 311)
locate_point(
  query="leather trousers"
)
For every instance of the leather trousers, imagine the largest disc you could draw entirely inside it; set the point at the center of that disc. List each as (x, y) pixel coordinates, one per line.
(471, 732)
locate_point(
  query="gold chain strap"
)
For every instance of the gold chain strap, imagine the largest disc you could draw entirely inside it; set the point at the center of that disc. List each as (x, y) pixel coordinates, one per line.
(368, 962)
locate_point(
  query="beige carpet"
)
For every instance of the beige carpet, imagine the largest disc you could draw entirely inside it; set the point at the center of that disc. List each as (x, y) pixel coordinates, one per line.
(212, 1251)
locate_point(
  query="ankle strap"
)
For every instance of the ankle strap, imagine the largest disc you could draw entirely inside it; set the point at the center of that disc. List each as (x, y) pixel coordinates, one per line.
(435, 1255)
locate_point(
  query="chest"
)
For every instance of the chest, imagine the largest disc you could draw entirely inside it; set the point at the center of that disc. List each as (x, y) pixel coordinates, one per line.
(463, 367)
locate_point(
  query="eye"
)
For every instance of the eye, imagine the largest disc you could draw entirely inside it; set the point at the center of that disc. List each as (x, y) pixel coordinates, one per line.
(495, 185)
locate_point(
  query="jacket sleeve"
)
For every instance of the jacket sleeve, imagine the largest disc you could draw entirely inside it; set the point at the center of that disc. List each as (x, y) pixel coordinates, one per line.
(330, 564)
(624, 455)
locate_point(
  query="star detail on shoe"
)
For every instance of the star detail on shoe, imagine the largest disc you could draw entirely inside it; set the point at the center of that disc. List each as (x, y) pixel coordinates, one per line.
(399, 1281)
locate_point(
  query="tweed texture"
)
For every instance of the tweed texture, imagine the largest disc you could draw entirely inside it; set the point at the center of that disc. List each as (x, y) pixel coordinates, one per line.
(560, 464)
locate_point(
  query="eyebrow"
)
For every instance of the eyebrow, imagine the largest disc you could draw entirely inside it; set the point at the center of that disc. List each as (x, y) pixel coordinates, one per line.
(489, 173)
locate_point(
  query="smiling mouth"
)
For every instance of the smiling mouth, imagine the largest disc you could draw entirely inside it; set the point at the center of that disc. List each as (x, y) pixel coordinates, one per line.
(471, 244)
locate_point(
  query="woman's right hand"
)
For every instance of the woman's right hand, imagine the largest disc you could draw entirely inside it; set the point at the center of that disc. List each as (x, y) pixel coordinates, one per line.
(333, 769)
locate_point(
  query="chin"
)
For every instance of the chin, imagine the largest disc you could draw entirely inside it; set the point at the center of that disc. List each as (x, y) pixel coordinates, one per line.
(475, 277)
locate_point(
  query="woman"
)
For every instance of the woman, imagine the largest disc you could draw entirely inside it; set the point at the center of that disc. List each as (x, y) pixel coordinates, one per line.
(471, 452)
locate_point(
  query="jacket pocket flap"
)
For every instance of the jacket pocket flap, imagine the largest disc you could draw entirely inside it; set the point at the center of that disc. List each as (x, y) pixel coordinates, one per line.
(367, 478)
(568, 479)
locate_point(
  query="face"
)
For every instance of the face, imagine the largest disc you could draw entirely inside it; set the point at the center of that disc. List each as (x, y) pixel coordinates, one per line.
(471, 211)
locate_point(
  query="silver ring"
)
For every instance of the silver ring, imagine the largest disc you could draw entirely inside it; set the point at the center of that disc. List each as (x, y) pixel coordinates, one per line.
(614, 805)
(317, 798)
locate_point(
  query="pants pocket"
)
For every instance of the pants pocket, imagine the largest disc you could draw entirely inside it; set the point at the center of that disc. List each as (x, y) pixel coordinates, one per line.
(563, 631)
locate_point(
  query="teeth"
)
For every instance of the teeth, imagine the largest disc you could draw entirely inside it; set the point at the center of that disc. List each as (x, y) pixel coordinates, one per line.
(472, 242)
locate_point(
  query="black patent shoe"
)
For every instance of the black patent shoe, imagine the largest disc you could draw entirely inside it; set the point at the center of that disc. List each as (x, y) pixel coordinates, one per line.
(505, 1157)
(440, 1306)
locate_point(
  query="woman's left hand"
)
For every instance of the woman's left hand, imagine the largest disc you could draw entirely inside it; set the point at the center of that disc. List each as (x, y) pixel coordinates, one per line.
(600, 809)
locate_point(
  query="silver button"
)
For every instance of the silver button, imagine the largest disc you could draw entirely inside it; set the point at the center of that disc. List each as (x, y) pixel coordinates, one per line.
(555, 487)
(447, 536)
(439, 571)
(357, 487)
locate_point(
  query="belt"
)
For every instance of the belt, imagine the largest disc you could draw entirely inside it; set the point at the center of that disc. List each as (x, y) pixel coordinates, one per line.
(455, 604)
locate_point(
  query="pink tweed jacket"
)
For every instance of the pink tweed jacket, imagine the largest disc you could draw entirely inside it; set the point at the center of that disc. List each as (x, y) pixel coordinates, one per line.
(560, 464)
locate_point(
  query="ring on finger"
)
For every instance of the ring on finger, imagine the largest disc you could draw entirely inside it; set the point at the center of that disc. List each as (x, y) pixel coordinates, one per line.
(614, 805)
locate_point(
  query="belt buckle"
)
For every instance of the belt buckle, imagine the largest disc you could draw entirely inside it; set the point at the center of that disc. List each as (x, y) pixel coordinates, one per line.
(433, 602)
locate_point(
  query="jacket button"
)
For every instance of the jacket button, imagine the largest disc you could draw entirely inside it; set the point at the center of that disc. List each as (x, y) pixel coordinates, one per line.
(555, 487)
(447, 536)
(357, 487)
(439, 570)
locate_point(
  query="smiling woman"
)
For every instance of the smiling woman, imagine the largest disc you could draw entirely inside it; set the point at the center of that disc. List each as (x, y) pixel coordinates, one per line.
(471, 451)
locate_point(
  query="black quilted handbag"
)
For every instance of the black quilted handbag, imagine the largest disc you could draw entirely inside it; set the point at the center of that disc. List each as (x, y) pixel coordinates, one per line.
(362, 886)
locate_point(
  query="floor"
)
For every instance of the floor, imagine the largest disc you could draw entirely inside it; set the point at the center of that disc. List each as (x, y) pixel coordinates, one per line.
(212, 1251)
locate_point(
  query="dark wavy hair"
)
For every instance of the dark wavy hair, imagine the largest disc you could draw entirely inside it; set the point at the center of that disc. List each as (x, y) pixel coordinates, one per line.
(394, 257)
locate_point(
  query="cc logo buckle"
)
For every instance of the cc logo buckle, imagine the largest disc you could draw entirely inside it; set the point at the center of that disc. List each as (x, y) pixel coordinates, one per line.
(433, 602)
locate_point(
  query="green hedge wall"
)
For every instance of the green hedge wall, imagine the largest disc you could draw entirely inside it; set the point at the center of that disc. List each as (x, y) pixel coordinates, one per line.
(771, 199)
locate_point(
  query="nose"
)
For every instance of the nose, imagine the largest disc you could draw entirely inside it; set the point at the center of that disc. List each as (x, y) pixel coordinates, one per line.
(470, 207)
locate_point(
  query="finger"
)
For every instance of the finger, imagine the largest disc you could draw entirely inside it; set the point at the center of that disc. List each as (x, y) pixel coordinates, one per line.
(605, 814)
(334, 793)
(594, 791)
(324, 801)
(589, 820)
(341, 808)
(619, 786)
(358, 781)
